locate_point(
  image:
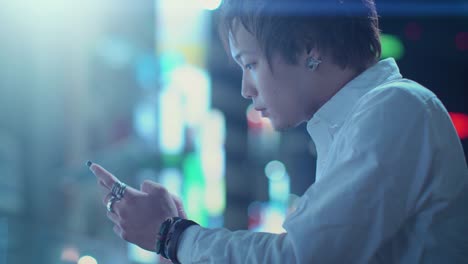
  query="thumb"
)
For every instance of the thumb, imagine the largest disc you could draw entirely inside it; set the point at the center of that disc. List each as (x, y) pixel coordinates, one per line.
(150, 187)
(180, 207)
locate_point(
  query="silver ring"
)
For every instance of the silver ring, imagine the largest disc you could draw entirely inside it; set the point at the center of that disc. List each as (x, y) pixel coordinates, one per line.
(118, 189)
(110, 203)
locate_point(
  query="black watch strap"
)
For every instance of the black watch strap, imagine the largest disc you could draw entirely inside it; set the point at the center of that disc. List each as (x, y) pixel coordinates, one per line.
(179, 228)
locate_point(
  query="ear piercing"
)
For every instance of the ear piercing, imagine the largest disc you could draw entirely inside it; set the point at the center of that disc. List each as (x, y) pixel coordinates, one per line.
(312, 63)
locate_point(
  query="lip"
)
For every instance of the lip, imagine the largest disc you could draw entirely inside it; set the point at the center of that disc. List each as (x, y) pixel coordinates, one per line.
(263, 111)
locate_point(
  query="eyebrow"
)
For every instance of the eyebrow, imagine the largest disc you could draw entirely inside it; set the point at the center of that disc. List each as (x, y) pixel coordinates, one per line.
(241, 53)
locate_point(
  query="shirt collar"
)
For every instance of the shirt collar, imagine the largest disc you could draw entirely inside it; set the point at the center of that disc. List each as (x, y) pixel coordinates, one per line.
(335, 110)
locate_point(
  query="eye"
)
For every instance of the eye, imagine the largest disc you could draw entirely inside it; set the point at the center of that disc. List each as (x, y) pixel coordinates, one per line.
(249, 66)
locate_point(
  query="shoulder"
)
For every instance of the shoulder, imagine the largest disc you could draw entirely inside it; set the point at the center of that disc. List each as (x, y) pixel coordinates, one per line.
(402, 96)
(390, 112)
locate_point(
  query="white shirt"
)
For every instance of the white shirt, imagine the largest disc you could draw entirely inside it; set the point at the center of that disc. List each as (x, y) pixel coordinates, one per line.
(390, 185)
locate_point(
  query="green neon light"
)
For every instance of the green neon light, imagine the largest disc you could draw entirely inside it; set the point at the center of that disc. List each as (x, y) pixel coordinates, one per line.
(194, 189)
(392, 47)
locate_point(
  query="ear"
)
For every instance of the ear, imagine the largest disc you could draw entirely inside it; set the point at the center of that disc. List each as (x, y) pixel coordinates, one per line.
(312, 52)
(311, 58)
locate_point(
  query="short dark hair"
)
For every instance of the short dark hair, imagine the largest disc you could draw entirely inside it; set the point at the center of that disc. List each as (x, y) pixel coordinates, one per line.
(348, 31)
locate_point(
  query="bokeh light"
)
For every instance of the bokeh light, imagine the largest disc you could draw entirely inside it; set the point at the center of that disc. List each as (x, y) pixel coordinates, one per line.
(211, 4)
(87, 260)
(275, 170)
(460, 121)
(139, 255)
(392, 46)
(70, 254)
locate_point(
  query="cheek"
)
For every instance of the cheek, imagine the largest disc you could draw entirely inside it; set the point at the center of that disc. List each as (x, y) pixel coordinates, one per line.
(287, 100)
(278, 93)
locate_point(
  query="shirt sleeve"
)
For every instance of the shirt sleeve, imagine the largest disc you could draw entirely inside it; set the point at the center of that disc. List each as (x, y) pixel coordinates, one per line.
(377, 176)
(203, 245)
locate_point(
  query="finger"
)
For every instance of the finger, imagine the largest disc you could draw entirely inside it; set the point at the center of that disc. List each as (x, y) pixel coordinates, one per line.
(121, 233)
(180, 207)
(146, 186)
(164, 261)
(131, 194)
(127, 201)
(101, 183)
(107, 178)
(116, 207)
(128, 197)
(103, 188)
(151, 187)
(113, 217)
(106, 199)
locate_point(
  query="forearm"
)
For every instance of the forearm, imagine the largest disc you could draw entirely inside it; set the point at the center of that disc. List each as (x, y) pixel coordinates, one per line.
(200, 245)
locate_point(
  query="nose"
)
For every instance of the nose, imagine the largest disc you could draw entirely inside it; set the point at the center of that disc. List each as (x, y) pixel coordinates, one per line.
(248, 88)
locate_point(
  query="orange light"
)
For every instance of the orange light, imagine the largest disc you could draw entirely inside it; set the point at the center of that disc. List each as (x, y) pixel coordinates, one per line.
(256, 121)
(254, 118)
(460, 121)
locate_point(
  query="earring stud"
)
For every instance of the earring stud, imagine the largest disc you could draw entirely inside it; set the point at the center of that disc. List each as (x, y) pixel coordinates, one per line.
(312, 63)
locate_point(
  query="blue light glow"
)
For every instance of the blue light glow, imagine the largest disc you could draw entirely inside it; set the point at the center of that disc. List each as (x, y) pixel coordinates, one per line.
(171, 178)
(171, 121)
(139, 255)
(145, 122)
(146, 71)
(275, 170)
(278, 190)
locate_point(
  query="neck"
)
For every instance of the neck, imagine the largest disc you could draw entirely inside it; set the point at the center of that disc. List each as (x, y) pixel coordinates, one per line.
(333, 79)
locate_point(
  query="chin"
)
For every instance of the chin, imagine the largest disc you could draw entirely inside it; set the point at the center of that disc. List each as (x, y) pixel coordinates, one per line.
(283, 126)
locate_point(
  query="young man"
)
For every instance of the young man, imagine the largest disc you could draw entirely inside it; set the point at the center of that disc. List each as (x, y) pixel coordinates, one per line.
(391, 175)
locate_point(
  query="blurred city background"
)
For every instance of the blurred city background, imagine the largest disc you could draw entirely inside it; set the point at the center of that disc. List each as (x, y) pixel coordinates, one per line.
(145, 89)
